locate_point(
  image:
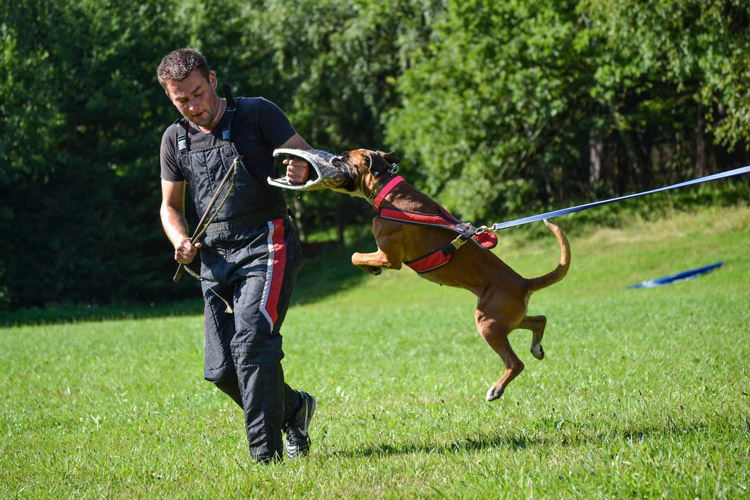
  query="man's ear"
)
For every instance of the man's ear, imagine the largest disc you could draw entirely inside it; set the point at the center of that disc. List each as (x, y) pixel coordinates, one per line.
(212, 79)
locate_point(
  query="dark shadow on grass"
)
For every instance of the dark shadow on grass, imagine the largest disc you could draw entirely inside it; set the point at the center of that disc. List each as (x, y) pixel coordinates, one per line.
(69, 313)
(331, 272)
(512, 442)
(319, 277)
(542, 436)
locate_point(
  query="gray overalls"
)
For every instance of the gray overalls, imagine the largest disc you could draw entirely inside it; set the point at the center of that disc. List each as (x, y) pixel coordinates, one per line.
(250, 257)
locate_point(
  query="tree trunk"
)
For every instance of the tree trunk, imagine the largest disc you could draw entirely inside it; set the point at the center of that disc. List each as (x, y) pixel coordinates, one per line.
(701, 158)
(596, 152)
(340, 223)
(298, 218)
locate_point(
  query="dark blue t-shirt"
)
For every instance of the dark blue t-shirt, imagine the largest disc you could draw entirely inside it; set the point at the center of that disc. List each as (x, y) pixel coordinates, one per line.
(259, 127)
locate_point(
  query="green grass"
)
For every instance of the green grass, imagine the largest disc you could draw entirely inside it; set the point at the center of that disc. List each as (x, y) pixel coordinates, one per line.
(643, 393)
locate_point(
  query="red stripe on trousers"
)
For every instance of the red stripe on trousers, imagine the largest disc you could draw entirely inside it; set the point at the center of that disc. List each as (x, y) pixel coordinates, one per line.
(277, 275)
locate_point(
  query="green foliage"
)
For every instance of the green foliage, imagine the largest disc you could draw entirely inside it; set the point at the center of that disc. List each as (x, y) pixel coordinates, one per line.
(509, 99)
(498, 109)
(78, 175)
(687, 50)
(490, 108)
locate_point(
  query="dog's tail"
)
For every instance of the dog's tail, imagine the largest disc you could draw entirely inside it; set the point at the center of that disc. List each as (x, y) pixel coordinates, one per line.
(562, 268)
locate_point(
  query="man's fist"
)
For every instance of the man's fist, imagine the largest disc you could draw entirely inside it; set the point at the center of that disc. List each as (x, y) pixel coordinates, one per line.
(297, 170)
(185, 251)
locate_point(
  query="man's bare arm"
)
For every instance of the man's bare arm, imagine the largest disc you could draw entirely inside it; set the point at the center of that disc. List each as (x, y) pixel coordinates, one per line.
(172, 213)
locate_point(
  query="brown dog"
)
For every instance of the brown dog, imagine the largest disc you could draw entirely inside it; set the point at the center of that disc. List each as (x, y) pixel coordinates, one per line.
(503, 294)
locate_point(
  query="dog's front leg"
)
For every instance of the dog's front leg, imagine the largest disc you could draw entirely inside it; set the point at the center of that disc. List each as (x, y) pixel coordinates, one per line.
(374, 262)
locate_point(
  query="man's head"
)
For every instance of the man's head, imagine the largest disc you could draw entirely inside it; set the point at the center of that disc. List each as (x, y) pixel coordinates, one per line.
(178, 64)
(191, 86)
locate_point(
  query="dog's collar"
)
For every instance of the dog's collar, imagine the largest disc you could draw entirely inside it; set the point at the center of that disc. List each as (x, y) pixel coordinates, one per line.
(387, 188)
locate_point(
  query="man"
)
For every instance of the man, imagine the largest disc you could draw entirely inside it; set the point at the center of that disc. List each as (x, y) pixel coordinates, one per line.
(250, 253)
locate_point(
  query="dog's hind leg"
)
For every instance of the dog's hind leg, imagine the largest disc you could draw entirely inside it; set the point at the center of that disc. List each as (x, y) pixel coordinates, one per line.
(536, 324)
(496, 335)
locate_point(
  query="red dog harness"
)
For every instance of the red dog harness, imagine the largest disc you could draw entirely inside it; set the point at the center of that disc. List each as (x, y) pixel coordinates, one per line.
(444, 219)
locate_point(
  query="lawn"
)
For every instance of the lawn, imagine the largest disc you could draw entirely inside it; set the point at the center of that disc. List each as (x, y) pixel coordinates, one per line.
(642, 394)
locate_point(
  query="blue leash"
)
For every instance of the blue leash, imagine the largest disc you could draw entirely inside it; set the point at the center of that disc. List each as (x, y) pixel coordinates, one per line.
(676, 278)
(564, 211)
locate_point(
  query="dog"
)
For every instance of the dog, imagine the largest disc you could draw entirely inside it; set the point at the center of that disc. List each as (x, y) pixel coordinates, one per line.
(503, 294)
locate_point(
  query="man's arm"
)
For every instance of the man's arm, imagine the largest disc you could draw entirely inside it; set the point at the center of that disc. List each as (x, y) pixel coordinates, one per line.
(297, 169)
(172, 213)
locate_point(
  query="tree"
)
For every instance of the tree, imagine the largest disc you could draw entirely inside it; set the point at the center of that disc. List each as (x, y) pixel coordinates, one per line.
(492, 109)
(673, 75)
(82, 119)
(517, 105)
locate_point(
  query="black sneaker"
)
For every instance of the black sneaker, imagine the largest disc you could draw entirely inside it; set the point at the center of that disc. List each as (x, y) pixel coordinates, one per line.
(297, 442)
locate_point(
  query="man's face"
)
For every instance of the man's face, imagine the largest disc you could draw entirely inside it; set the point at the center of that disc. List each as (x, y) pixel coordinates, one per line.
(195, 98)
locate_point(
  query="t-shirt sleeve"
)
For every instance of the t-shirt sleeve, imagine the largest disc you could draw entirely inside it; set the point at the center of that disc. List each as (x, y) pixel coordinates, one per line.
(273, 124)
(170, 168)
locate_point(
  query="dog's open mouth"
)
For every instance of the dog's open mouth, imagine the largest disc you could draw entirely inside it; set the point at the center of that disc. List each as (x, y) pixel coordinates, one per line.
(328, 171)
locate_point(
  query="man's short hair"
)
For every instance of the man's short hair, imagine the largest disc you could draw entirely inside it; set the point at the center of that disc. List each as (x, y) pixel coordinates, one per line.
(178, 64)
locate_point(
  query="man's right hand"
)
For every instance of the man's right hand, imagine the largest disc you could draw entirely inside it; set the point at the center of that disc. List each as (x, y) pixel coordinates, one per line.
(185, 251)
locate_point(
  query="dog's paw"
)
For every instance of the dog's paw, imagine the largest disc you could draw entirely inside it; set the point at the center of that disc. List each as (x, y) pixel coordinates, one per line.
(537, 350)
(494, 393)
(374, 270)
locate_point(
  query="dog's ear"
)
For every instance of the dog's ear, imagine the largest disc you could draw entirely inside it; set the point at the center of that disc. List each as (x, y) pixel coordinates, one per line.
(391, 158)
(378, 164)
(381, 162)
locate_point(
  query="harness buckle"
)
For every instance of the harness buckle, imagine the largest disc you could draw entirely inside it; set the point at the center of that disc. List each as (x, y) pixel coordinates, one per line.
(458, 242)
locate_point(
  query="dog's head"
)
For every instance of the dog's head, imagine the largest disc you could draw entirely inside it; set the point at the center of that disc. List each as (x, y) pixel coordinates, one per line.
(364, 170)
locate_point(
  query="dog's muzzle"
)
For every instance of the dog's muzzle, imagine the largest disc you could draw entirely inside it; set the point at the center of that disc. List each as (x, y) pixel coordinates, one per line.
(326, 172)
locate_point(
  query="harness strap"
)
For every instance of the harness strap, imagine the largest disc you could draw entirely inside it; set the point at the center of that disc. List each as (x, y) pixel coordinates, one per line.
(430, 262)
(439, 257)
(443, 219)
(384, 192)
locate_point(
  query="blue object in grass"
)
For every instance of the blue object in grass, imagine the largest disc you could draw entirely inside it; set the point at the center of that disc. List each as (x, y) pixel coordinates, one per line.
(676, 278)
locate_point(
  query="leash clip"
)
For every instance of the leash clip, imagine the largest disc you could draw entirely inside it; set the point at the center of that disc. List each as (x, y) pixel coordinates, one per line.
(394, 169)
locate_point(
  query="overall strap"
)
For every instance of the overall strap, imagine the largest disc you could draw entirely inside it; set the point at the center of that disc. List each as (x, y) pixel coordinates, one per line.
(226, 132)
(228, 96)
(183, 146)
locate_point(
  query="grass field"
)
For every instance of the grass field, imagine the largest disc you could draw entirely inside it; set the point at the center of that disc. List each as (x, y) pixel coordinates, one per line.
(642, 394)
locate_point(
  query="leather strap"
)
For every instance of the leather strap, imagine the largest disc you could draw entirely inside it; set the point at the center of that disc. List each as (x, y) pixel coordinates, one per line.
(384, 192)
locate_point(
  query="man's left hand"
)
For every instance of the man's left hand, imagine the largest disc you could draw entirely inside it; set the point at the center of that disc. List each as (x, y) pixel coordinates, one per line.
(297, 170)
